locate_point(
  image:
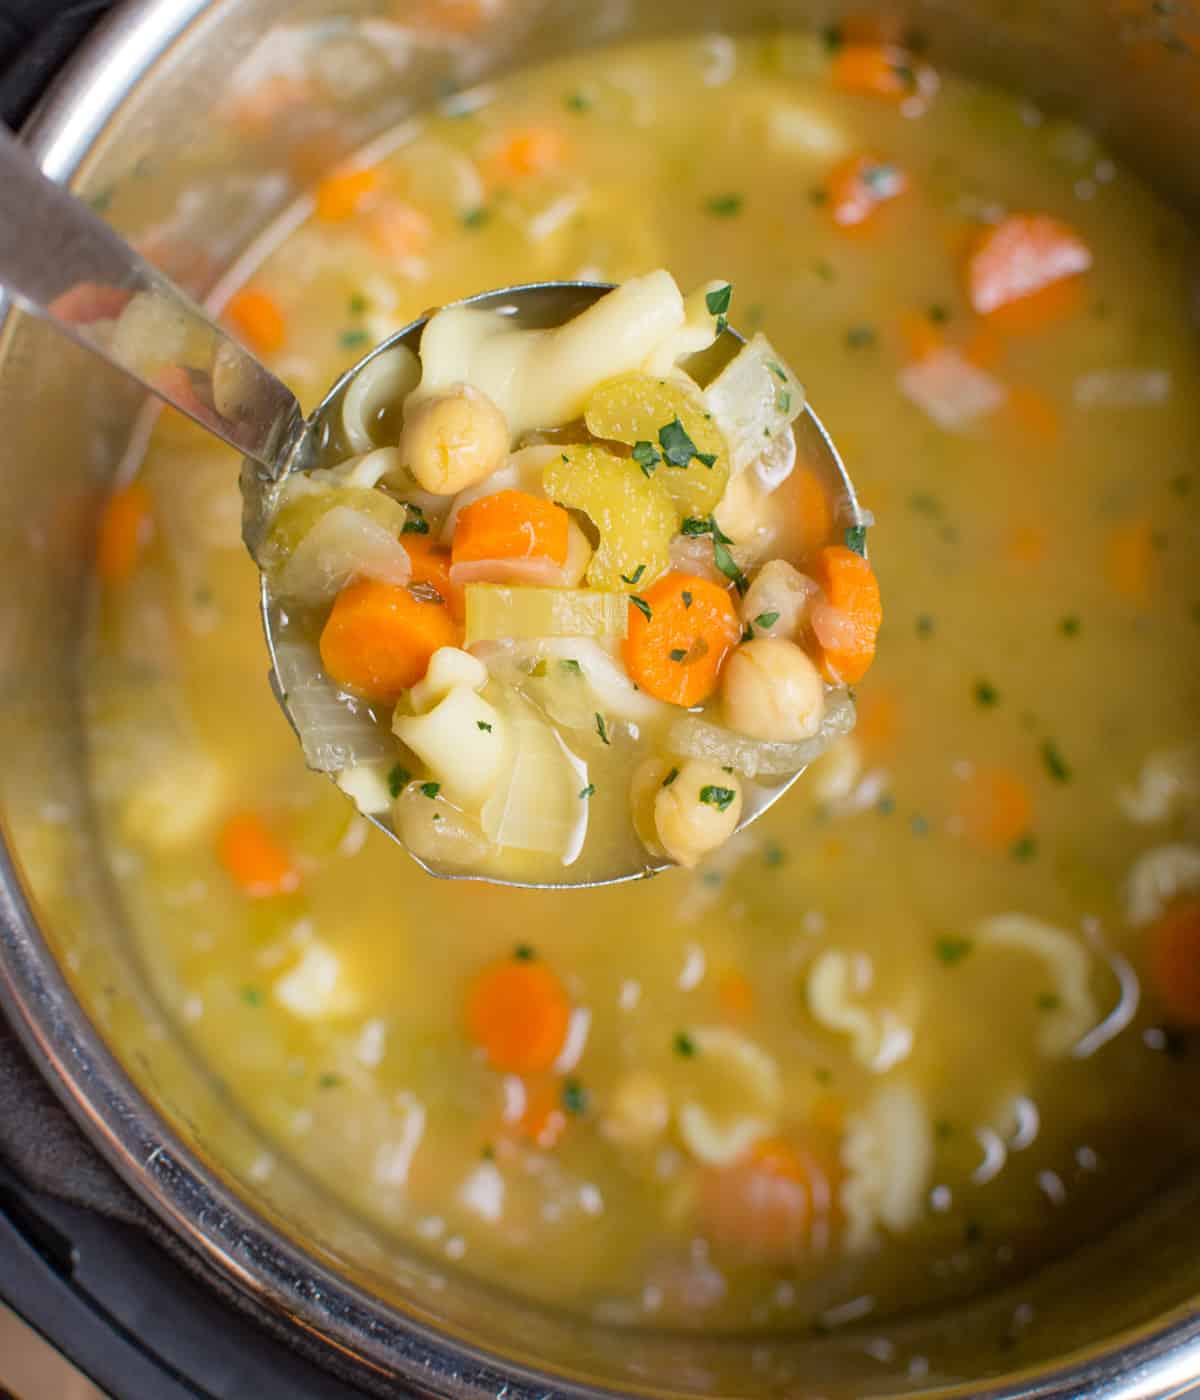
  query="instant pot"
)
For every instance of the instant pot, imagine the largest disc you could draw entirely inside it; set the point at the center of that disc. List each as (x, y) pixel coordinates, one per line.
(162, 1267)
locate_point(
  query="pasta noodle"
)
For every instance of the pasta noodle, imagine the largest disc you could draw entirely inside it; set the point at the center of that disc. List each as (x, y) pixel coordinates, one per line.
(1157, 877)
(887, 1154)
(1069, 964)
(878, 1039)
(742, 1073)
(1168, 781)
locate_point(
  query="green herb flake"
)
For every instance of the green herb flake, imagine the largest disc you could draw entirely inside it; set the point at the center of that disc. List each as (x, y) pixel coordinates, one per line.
(484, 725)
(886, 805)
(524, 953)
(943, 1130)
(684, 1045)
(972, 1232)
(766, 619)
(919, 824)
(678, 448)
(778, 371)
(1056, 765)
(578, 102)
(415, 524)
(823, 1076)
(1049, 1001)
(773, 855)
(476, 218)
(538, 670)
(783, 401)
(431, 790)
(718, 300)
(678, 654)
(687, 598)
(986, 694)
(574, 1097)
(585, 793)
(856, 538)
(601, 728)
(1181, 484)
(642, 606)
(924, 625)
(729, 566)
(633, 578)
(647, 456)
(398, 779)
(832, 37)
(1069, 626)
(823, 269)
(329, 1081)
(938, 314)
(1024, 848)
(951, 951)
(357, 305)
(350, 339)
(724, 206)
(860, 337)
(670, 778)
(719, 797)
(252, 996)
(569, 664)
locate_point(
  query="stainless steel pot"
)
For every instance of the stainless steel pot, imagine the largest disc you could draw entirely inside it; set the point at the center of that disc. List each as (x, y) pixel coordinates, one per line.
(127, 126)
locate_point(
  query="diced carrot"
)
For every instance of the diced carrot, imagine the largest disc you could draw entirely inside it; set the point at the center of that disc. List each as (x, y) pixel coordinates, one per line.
(544, 1120)
(398, 230)
(984, 346)
(256, 112)
(1026, 544)
(86, 302)
(735, 993)
(1058, 302)
(511, 525)
(1033, 414)
(874, 70)
(995, 808)
(518, 1012)
(431, 564)
(920, 337)
(676, 653)
(379, 637)
(258, 318)
(766, 1204)
(1129, 560)
(254, 858)
(852, 592)
(814, 509)
(446, 16)
(1023, 257)
(859, 185)
(125, 529)
(530, 150)
(878, 718)
(340, 195)
(1174, 961)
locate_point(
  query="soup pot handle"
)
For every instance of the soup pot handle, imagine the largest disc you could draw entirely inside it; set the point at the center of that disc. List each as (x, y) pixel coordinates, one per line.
(36, 39)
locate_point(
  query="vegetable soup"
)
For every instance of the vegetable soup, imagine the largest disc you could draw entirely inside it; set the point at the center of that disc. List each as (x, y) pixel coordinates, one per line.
(931, 1021)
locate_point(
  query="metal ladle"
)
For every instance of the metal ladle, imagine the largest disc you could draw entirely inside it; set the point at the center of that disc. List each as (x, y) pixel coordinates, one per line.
(63, 263)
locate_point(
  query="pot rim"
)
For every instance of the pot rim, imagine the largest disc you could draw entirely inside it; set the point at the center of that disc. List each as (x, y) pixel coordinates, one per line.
(1151, 1362)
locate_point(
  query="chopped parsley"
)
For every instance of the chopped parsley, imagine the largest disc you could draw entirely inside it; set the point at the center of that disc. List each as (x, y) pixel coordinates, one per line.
(1056, 765)
(687, 598)
(728, 565)
(415, 522)
(670, 778)
(678, 448)
(356, 336)
(476, 218)
(986, 694)
(856, 538)
(1049, 1001)
(684, 1045)
(938, 314)
(747, 634)
(398, 779)
(252, 996)
(719, 797)
(919, 825)
(1181, 484)
(951, 950)
(633, 578)
(585, 793)
(773, 855)
(568, 663)
(647, 456)
(357, 304)
(924, 625)
(678, 654)
(484, 725)
(718, 299)
(574, 1097)
(823, 269)
(601, 728)
(329, 1081)
(1024, 848)
(642, 606)
(767, 619)
(578, 102)
(886, 805)
(832, 37)
(704, 525)
(524, 953)
(538, 669)
(777, 370)
(943, 1130)
(724, 206)
(783, 401)
(1070, 626)
(860, 337)
(431, 790)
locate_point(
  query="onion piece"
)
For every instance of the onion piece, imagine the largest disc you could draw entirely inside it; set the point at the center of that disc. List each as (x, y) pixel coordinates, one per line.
(753, 758)
(336, 730)
(342, 545)
(541, 572)
(753, 399)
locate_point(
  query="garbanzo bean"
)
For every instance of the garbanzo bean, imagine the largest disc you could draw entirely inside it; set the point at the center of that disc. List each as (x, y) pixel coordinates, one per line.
(771, 690)
(697, 811)
(454, 440)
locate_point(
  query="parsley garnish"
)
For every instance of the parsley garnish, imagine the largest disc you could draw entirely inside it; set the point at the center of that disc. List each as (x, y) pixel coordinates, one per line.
(568, 663)
(1056, 765)
(601, 727)
(856, 538)
(986, 694)
(747, 634)
(351, 338)
(579, 102)
(252, 996)
(678, 448)
(678, 654)
(476, 218)
(398, 779)
(646, 455)
(687, 598)
(329, 1081)
(783, 401)
(777, 370)
(431, 789)
(574, 1097)
(924, 625)
(938, 314)
(773, 855)
(684, 1045)
(1070, 626)
(951, 950)
(670, 778)
(415, 523)
(717, 302)
(523, 953)
(859, 337)
(642, 606)
(718, 797)
(357, 304)
(1023, 848)
(586, 792)
(484, 725)
(1049, 1001)
(633, 578)
(767, 619)
(724, 205)
(728, 566)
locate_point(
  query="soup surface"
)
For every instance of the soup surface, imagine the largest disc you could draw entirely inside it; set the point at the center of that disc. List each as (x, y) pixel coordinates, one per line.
(926, 1024)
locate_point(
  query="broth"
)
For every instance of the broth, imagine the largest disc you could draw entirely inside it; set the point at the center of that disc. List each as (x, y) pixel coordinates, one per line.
(913, 1002)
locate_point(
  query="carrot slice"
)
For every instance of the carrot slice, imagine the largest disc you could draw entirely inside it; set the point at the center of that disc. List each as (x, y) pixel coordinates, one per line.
(995, 808)
(1174, 961)
(1129, 560)
(851, 590)
(397, 230)
(1022, 257)
(1026, 544)
(518, 1012)
(735, 993)
(765, 1204)
(1033, 414)
(530, 150)
(544, 1119)
(511, 525)
(379, 637)
(815, 510)
(859, 185)
(878, 718)
(676, 653)
(340, 195)
(258, 318)
(126, 525)
(920, 337)
(874, 70)
(254, 858)
(431, 565)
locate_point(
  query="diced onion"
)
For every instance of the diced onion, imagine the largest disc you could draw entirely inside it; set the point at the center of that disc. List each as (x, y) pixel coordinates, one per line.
(754, 758)
(498, 613)
(335, 729)
(753, 399)
(342, 545)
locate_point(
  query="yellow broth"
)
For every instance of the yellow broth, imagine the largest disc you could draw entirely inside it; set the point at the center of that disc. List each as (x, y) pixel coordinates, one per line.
(1042, 575)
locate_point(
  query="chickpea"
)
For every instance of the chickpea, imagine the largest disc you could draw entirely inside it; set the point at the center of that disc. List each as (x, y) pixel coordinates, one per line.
(746, 514)
(771, 690)
(697, 811)
(643, 790)
(639, 1111)
(454, 440)
(780, 592)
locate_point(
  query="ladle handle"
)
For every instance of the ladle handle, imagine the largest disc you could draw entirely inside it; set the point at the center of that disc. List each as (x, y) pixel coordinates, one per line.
(63, 263)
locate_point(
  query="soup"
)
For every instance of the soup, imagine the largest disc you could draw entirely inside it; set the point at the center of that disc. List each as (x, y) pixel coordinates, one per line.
(925, 1025)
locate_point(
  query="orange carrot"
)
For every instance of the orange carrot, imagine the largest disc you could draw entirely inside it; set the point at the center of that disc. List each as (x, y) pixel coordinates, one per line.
(849, 621)
(766, 1203)
(995, 808)
(1034, 415)
(984, 346)
(446, 16)
(530, 150)
(256, 113)
(1174, 960)
(511, 525)
(1129, 560)
(1023, 257)
(735, 993)
(859, 185)
(431, 564)
(258, 318)
(544, 1120)
(126, 525)
(379, 637)
(814, 509)
(874, 70)
(253, 857)
(676, 653)
(518, 1012)
(339, 196)
(397, 230)
(878, 718)
(920, 337)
